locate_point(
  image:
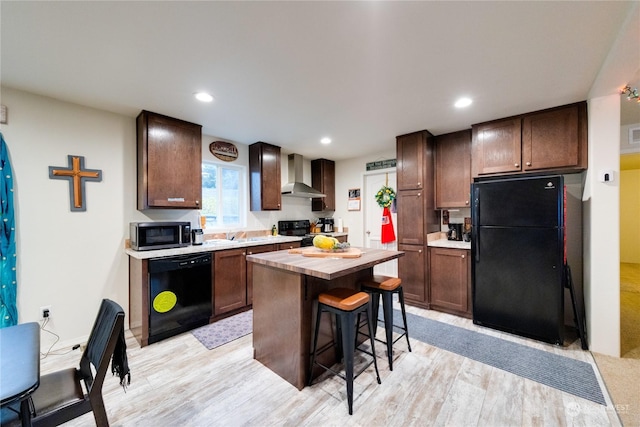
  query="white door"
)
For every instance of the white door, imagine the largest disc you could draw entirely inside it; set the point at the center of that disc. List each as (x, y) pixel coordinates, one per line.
(373, 218)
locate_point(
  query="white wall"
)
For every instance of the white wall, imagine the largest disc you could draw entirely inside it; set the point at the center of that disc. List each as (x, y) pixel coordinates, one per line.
(293, 208)
(602, 230)
(350, 174)
(69, 260)
(601, 206)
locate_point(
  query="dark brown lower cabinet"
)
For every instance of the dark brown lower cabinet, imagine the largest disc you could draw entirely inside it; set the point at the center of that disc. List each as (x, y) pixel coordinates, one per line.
(229, 276)
(412, 269)
(290, 245)
(229, 280)
(233, 276)
(450, 281)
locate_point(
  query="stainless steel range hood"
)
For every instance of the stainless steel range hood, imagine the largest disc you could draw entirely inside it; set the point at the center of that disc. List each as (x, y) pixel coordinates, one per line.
(295, 187)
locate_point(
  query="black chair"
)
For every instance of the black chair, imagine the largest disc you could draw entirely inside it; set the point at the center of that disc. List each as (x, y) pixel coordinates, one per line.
(385, 286)
(345, 304)
(60, 396)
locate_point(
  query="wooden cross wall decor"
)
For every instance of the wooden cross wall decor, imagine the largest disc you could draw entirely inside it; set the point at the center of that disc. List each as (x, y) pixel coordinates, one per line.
(76, 174)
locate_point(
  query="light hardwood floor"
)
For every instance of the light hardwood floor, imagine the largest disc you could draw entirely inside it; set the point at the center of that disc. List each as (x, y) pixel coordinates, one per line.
(177, 382)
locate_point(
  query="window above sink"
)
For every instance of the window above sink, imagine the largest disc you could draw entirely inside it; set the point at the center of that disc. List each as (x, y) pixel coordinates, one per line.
(223, 195)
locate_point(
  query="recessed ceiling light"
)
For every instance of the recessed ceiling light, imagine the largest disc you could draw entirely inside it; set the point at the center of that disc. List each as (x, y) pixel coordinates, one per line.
(326, 140)
(463, 102)
(203, 96)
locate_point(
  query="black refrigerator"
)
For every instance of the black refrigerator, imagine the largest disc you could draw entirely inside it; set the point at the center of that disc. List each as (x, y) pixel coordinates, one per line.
(518, 249)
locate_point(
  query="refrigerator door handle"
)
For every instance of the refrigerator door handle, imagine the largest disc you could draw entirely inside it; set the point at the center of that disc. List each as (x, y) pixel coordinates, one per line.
(475, 215)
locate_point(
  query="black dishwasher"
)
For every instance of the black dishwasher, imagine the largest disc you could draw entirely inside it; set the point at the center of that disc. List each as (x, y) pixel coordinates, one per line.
(179, 294)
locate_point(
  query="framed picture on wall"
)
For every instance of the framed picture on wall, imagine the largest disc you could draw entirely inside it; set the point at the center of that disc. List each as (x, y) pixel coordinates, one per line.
(354, 199)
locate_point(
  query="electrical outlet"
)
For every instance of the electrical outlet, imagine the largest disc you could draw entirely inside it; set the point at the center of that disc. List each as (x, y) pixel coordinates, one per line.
(45, 312)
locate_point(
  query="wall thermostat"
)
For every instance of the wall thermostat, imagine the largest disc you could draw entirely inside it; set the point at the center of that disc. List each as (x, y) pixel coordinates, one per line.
(606, 175)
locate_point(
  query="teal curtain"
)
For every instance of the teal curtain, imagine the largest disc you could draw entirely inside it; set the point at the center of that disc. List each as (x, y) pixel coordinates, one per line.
(8, 283)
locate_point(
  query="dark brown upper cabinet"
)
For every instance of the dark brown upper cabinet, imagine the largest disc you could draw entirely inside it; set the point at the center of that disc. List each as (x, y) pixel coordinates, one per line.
(411, 153)
(265, 177)
(169, 162)
(497, 147)
(415, 202)
(552, 140)
(323, 179)
(453, 170)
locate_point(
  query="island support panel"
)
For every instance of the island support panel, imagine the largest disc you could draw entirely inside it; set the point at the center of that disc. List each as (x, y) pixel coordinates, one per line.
(283, 313)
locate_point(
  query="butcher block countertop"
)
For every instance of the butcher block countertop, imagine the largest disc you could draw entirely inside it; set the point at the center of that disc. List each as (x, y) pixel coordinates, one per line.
(324, 268)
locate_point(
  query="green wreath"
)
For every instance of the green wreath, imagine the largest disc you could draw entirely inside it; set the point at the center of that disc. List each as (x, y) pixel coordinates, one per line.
(385, 196)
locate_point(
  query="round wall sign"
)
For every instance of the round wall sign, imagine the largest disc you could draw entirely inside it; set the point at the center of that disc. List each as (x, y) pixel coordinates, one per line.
(225, 151)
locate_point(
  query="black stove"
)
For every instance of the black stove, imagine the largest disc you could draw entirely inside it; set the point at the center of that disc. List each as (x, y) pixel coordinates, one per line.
(301, 228)
(294, 228)
(297, 228)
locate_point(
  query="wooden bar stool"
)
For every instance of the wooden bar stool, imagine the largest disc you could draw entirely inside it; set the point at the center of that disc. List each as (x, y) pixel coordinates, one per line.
(345, 304)
(386, 286)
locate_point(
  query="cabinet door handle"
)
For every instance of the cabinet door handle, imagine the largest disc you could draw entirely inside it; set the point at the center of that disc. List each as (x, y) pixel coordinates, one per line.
(466, 202)
(419, 251)
(462, 256)
(517, 165)
(528, 163)
(419, 194)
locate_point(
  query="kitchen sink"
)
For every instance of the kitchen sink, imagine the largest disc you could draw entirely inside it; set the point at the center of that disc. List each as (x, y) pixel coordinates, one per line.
(219, 242)
(259, 239)
(253, 239)
(235, 241)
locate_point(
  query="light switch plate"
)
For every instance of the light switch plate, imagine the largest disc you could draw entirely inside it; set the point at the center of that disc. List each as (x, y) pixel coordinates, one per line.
(3, 114)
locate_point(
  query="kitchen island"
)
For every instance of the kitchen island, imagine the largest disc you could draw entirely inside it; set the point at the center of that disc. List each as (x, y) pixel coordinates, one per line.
(284, 288)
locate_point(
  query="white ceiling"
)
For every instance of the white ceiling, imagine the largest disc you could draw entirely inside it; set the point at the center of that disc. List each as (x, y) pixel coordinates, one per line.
(289, 73)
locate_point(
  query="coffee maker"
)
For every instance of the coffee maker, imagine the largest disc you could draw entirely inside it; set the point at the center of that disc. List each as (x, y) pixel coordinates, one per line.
(326, 225)
(455, 232)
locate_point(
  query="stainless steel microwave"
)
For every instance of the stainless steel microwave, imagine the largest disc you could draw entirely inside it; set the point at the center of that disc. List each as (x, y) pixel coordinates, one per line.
(146, 236)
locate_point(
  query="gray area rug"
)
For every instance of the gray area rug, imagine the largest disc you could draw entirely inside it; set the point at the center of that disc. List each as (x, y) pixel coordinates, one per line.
(563, 373)
(560, 372)
(225, 330)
